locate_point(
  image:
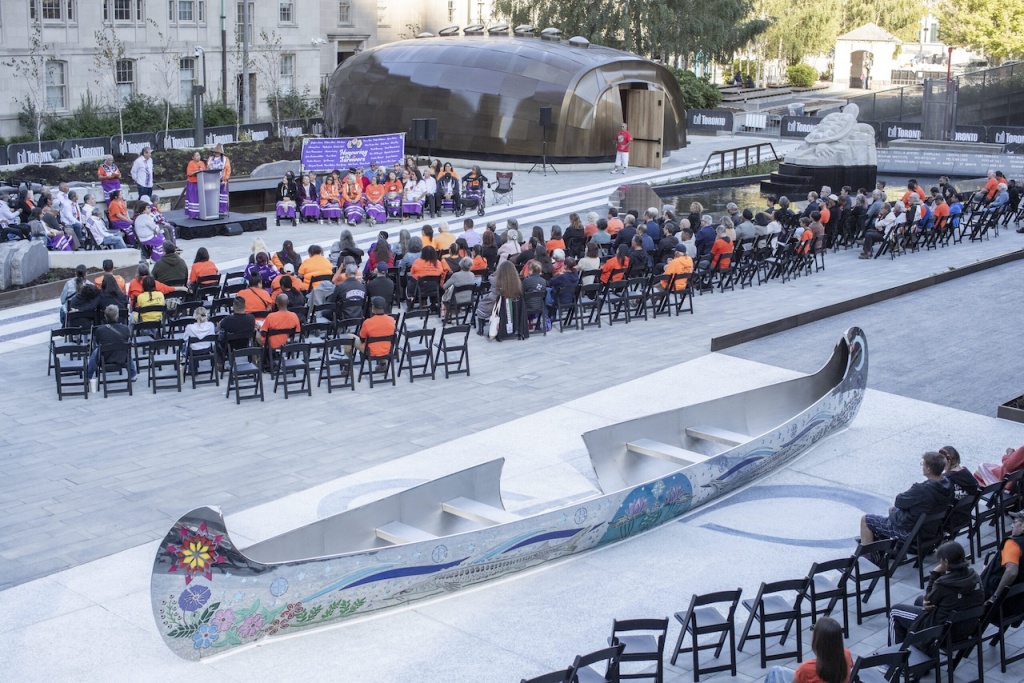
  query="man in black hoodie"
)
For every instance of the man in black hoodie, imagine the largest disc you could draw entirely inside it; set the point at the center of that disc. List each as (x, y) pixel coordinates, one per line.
(927, 497)
(953, 587)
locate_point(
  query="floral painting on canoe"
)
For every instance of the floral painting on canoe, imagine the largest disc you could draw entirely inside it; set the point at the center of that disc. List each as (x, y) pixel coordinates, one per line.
(648, 506)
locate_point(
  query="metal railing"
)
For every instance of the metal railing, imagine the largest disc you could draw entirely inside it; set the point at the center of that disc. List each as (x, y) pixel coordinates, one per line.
(736, 152)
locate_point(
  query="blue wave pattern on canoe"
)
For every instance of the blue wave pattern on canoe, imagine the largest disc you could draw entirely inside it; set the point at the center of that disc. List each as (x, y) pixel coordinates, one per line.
(209, 596)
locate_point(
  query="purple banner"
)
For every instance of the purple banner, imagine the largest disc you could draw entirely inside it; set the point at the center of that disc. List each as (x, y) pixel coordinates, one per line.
(326, 154)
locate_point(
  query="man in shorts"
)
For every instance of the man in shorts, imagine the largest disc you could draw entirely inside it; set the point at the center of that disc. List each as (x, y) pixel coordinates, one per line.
(932, 495)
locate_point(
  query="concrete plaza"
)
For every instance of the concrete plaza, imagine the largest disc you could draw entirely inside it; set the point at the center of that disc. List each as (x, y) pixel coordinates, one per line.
(90, 484)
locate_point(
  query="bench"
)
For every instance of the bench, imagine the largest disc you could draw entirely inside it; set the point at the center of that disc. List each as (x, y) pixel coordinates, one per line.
(398, 533)
(664, 451)
(475, 511)
(722, 436)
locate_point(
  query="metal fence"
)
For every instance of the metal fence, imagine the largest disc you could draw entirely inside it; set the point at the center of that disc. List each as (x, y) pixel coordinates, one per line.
(987, 97)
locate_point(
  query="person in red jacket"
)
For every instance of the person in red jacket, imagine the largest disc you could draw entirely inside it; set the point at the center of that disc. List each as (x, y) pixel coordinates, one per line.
(622, 140)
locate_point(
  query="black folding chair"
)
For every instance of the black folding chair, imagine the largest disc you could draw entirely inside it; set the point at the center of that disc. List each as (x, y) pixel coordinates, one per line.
(643, 640)
(778, 601)
(701, 618)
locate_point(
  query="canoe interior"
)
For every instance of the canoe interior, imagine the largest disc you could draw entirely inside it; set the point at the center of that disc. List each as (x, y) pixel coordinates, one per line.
(743, 416)
(419, 507)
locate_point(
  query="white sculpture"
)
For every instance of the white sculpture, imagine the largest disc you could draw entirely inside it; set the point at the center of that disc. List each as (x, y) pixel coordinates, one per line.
(838, 140)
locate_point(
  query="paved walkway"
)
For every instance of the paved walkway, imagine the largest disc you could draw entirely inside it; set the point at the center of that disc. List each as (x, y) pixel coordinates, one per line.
(95, 621)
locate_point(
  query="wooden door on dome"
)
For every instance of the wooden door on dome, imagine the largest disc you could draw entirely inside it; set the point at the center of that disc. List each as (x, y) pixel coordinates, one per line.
(646, 110)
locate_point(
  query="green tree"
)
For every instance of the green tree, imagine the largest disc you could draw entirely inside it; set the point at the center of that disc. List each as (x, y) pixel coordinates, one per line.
(898, 17)
(714, 31)
(988, 26)
(801, 28)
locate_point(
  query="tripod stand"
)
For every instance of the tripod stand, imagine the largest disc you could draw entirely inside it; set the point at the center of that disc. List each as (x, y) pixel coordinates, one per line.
(544, 155)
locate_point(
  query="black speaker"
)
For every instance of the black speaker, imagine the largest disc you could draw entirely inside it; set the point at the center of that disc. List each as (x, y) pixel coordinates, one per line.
(231, 230)
(545, 117)
(424, 129)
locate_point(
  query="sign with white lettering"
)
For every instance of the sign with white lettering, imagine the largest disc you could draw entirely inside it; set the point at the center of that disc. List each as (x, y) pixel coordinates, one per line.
(914, 162)
(1005, 135)
(33, 153)
(181, 138)
(970, 134)
(798, 126)
(133, 143)
(900, 130)
(85, 148)
(709, 119)
(325, 154)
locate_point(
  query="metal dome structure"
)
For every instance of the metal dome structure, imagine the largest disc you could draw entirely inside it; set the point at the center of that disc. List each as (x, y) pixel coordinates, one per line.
(486, 92)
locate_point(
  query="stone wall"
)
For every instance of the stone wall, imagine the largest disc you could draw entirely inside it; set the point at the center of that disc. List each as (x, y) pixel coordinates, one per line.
(22, 262)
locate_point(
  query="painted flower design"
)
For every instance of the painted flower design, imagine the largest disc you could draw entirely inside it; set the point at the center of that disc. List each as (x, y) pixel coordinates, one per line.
(204, 637)
(289, 613)
(196, 554)
(251, 625)
(674, 495)
(193, 598)
(223, 619)
(279, 587)
(636, 508)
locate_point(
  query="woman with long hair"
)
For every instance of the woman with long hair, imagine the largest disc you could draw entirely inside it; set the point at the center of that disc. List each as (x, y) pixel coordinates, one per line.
(71, 288)
(402, 248)
(202, 266)
(427, 265)
(309, 199)
(346, 246)
(617, 266)
(504, 299)
(287, 255)
(330, 200)
(195, 165)
(381, 253)
(832, 662)
(488, 249)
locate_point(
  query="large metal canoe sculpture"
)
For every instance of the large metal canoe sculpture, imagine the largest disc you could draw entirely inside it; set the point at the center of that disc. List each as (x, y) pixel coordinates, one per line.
(210, 596)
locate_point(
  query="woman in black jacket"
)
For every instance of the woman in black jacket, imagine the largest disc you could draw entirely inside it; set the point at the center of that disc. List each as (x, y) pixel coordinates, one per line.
(952, 587)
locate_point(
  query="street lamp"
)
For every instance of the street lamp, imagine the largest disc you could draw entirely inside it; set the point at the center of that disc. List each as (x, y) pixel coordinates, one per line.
(197, 96)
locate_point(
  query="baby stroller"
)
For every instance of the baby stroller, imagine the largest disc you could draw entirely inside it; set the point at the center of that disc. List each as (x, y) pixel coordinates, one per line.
(472, 197)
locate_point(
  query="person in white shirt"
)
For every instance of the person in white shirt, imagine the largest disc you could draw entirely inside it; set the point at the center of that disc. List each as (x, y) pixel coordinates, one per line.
(142, 173)
(433, 202)
(415, 189)
(10, 222)
(71, 214)
(469, 234)
(98, 229)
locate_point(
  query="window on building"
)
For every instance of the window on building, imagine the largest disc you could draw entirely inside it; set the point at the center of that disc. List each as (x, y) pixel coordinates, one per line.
(125, 77)
(52, 10)
(382, 13)
(240, 21)
(287, 11)
(56, 85)
(344, 12)
(287, 73)
(122, 10)
(186, 76)
(183, 11)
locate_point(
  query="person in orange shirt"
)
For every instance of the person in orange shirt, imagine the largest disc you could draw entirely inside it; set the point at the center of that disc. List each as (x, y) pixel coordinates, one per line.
(556, 241)
(721, 250)
(109, 175)
(202, 266)
(377, 325)
(681, 264)
(427, 265)
(913, 188)
(988, 193)
(614, 222)
(219, 162)
(108, 269)
(427, 236)
(280, 319)
(135, 286)
(619, 262)
(374, 194)
(352, 201)
(117, 212)
(297, 283)
(330, 205)
(256, 298)
(940, 213)
(192, 185)
(315, 265)
(479, 262)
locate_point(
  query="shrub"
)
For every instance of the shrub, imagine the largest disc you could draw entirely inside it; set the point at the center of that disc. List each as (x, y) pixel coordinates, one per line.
(802, 75)
(698, 93)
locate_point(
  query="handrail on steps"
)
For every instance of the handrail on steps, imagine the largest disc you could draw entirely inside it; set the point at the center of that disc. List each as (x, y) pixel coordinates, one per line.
(735, 151)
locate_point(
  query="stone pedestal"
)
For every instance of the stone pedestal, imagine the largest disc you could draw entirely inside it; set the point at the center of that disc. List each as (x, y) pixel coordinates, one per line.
(22, 262)
(796, 180)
